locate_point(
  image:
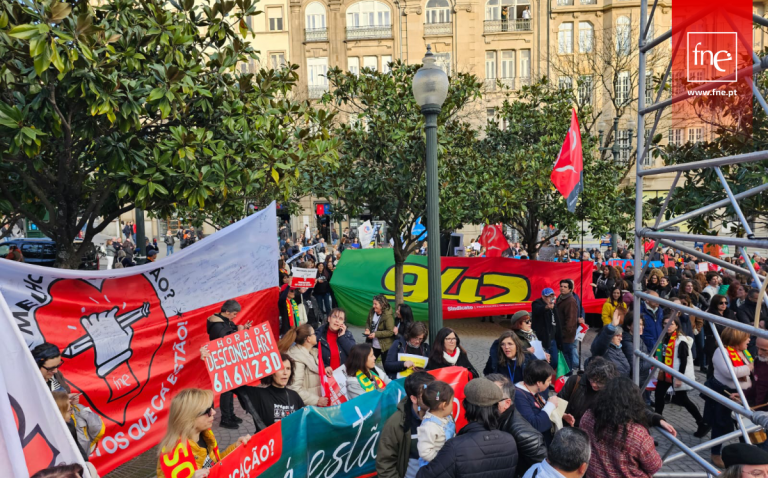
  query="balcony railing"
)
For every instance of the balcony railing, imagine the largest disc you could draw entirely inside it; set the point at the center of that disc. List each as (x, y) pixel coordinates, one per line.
(364, 33)
(489, 84)
(564, 3)
(433, 29)
(315, 34)
(317, 91)
(588, 2)
(515, 25)
(508, 82)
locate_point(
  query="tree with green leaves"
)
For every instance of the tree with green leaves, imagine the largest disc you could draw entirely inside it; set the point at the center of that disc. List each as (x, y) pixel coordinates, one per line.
(382, 157)
(518, 162)
(122, 104)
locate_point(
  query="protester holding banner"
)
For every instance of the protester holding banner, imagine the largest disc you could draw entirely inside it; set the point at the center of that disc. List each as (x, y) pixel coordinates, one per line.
(275, 401)
(480, 449)
(412, 343)
(300, 343)
(447, 352)
(363, 375)
(507, 357)
(335, 341)
(380, 327)
(189, 443)
(397, 455)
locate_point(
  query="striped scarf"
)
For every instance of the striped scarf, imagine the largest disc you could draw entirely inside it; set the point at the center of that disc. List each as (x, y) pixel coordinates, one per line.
(736, 357)
(293, 312)
(367, 384)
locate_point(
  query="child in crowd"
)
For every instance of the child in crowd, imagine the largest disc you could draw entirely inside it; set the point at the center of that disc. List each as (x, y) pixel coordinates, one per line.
(438, 426)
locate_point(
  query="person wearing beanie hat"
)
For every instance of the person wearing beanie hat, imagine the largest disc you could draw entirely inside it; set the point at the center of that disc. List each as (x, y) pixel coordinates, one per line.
(479, 449)
(742, 459)
(521, 324)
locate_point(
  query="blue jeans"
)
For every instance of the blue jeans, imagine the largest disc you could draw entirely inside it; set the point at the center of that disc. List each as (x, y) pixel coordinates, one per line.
(553, 355)
(571, 354)
(168, 250)
(324, 301)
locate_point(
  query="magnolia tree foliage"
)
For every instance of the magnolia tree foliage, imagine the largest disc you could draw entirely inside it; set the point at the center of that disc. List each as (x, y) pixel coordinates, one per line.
(517, 163)
(107, 106)
(383, 158)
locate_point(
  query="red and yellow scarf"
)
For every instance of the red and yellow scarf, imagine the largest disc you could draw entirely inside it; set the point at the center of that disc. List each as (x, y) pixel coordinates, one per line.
(668, 354)
(736, 359)
(180, 462)
(293, 312)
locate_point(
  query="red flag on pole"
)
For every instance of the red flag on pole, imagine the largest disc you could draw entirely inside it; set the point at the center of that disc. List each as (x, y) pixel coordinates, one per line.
(568, 172)
(493, 240)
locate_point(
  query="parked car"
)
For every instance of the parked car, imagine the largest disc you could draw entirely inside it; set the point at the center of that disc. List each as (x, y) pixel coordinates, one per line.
(42, 252)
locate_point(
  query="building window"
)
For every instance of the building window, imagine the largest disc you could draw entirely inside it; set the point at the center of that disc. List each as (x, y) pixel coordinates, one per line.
(277, 60)
(368, 14)
(695, 135)
(353, 65)
(565, 83)
(490, 114)
(490, 65)
(525, 63)
(385, 61)
(275, 16)
(317, 70)
(443, 60)
(675, 136)
(586, 37)
(585, 90)
(438, 11)
(565, 38)
(315, 16)
(622, 88)
(649, 87)
(508, 64)
(625, 145)
(498, 9)
(623, 35)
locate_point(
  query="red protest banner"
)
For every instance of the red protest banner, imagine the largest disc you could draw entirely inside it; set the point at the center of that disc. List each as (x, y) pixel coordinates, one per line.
(303, 277)
(457, 378)
(252, 459)
(242, 358)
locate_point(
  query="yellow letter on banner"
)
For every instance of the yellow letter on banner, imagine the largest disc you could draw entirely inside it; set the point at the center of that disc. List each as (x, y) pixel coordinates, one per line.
(467, 287)
(414, 282)
(517, 288)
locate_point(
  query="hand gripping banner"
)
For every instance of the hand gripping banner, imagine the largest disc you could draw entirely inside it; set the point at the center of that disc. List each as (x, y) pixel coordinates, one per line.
(472, 286)
(130, 338)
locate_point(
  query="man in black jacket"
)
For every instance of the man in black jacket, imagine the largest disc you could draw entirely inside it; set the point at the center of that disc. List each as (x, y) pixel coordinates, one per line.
(480, 448)
(531, 447)
(546, 325)
(218, 326)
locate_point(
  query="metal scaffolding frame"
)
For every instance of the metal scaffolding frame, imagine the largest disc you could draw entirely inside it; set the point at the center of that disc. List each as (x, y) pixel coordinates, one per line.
(742, 411)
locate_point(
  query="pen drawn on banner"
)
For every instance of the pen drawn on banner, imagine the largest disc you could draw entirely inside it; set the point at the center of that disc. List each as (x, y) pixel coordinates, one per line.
(242, 358)
(303, 277)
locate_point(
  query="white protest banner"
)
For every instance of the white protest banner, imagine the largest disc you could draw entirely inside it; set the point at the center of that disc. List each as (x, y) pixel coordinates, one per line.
(303, 277)
(365, 234)
(242, 358)
(33, 435)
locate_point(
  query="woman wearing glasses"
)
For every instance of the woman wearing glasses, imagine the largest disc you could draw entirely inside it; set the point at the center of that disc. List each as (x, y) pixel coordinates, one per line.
(48, 358)
(189, 443)
(521, 324)
(447, 352)
(508, 357)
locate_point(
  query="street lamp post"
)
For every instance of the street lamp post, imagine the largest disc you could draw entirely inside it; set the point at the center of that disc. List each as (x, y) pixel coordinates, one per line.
(615, 150)
(430, 88)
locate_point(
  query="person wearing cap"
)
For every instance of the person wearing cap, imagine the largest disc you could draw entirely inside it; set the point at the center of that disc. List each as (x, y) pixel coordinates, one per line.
(479, 449)
(545, 324)
(152, 255)
(521, 324)
(741, 459)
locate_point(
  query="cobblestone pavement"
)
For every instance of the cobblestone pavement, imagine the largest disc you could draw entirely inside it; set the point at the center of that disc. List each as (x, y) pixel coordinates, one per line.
(476, 338)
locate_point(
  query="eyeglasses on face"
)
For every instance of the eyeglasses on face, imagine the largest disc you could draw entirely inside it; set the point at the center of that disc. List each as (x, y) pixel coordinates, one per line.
(52, 369)
(208, 411)
(527, 321)
(722, 303)
(450, 339)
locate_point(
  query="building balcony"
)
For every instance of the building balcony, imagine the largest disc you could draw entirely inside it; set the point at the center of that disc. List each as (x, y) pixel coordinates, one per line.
(525, 81)
(508, 82)
(515, 25)
(317, 91)
(367, 33)
(435, 29)
(315, 34)
(489, 84)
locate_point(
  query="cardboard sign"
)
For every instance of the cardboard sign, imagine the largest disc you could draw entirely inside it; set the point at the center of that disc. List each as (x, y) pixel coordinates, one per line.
(242, 358)
(262, 451)
(304, 277)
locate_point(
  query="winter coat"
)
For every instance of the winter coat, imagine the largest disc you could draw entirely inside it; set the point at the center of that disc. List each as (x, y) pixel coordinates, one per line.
(306, 375)
(654, 325)
(604, 287)
(385, 331)
(111, 251)
(515, 369)
(525, 339)
(603, 340)
(474, 452)
(607, 314)
(616, 355)
(746, 312)
(567, 310)
(525, 405)
(686, 344)
(393, 366)
(436, 362)
(545, 323)
(531, 448)
(282, 307)
(219, 326)
(395, 443)
(354, 389)
(345, 343)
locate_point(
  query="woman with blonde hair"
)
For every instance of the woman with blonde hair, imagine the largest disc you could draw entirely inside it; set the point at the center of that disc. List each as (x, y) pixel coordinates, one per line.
(189, 443)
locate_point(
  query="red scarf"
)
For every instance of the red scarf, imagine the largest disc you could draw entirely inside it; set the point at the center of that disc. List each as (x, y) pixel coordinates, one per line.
(669, 354)
(736, 357)
(455, 351)
(333, 344)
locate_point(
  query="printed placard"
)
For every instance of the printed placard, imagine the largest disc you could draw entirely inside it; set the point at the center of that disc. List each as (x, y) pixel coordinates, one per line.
(419, 361)
(242, 358)
(581, 332)
(303, 277)
(255, 457)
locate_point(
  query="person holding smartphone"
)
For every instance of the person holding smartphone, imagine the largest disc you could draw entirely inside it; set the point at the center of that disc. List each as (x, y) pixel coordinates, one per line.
(334, 341)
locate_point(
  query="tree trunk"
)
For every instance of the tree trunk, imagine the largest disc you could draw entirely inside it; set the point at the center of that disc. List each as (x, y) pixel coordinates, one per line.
(67, 257)
(398, 280)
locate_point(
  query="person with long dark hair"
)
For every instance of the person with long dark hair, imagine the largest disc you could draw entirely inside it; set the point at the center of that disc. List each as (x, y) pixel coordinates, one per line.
(507, 357)
(606, 282)
(447, 352)
(413, 343)
(322, 290)
(675, 352)
(614, 302)
(617, 429)
(288, 306)
(362, 373)
(380, 327)
(403, 319)
(717, 306)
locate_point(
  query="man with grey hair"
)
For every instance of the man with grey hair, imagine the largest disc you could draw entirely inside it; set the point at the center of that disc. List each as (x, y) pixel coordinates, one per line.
(531, 447)
(569, 455)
